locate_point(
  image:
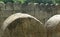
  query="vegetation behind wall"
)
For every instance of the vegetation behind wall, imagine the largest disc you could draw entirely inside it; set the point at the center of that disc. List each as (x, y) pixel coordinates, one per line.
(33, 1)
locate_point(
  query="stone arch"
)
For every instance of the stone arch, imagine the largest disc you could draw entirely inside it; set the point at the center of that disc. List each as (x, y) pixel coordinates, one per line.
(30, 25)
(53, 26)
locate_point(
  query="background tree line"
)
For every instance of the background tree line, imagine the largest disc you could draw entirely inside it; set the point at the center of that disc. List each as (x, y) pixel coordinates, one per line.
(33, 1)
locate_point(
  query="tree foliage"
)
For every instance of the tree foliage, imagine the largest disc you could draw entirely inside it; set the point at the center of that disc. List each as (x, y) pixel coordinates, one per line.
(5, 1)
(34, 1)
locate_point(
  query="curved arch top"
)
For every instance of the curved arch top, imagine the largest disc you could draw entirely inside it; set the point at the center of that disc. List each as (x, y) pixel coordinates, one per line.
(15, 16)
(53, 22)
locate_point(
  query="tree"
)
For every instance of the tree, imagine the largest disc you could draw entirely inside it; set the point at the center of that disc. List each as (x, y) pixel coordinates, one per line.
(57, 1)
(5, 1)
(22, 1)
